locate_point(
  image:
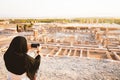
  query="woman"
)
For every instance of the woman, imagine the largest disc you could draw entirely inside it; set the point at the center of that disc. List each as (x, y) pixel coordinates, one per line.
(18, 62)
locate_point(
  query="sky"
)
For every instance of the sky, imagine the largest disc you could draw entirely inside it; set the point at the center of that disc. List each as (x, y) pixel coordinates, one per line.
(59, 8)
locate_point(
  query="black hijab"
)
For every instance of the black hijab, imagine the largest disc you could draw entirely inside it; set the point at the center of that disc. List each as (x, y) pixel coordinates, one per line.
(17, 61)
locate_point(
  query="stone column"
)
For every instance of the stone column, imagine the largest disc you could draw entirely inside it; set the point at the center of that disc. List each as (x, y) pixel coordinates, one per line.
(72, 39)
(105, 42)
(35, 34)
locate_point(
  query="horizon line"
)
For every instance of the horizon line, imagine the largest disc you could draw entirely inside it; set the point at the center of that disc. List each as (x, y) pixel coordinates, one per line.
(117, 17)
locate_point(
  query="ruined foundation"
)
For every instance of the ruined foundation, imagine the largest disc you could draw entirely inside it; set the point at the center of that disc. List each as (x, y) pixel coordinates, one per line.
(97, 42)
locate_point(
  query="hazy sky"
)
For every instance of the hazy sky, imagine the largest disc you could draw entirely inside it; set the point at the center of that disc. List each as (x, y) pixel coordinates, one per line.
(60, 8)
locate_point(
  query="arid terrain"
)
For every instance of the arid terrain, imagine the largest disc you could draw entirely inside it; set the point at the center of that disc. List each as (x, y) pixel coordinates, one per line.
(79, 62)
(73, 68)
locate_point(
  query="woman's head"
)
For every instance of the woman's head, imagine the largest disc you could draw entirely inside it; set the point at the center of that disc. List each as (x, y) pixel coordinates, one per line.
(18, 45)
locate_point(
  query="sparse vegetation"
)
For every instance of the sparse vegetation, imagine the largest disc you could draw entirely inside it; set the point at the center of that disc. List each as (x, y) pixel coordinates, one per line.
(24, 27)
(79, 20)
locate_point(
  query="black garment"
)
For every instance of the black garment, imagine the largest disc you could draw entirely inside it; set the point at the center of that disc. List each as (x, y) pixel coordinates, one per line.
(19, 64)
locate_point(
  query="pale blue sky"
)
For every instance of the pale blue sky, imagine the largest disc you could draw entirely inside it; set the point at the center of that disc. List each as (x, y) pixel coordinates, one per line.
(59, 8)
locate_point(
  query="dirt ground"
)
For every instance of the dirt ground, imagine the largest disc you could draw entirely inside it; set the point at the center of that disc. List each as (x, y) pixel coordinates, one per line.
(76, 68)
(73, 68)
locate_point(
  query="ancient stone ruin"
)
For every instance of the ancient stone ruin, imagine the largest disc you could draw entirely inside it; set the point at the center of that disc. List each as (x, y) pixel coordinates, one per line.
(100, 41)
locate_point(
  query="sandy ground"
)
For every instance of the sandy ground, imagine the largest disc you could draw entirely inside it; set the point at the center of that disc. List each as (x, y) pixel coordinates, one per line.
(73, 68)
(2, 68)
(7, 26)
(76, 68)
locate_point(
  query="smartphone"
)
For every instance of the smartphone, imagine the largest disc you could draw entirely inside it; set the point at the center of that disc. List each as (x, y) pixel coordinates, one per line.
(35, 45)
